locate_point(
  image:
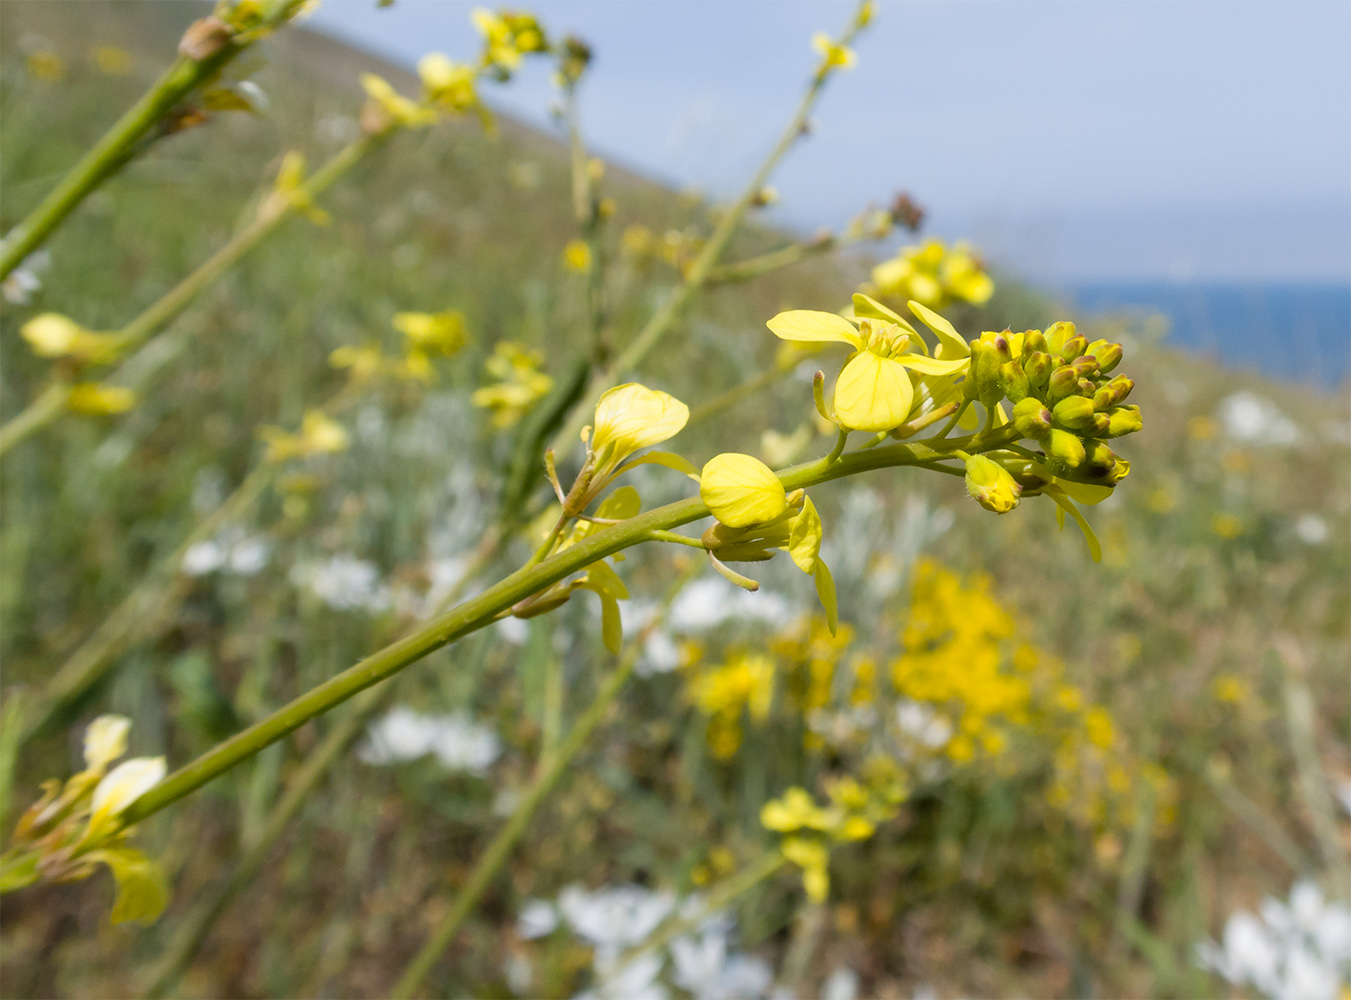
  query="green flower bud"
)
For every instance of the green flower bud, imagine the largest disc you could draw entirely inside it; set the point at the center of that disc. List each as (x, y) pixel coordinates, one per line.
(1062, 383)
(1073, 348)
(1001, 344)
(1109, 356)
(1065, 448)
(1073, 413)
(1122, 420)
(1031, 418)
(1087, 387)
(1038, 366)
(1098, 457)
(1034, 341)
(1122, 386)
(1086, 366)
(1013, 380)
(985, 364)
(991, 484)
(1025, 473)
(1057, 334)
(1101, 425)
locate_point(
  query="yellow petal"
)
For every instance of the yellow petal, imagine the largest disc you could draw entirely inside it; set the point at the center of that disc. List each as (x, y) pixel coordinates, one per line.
(873, 393)
(804, 543)
(934, 366)
(812, 327)
(105, 740)
(953, 346)
(123, 785)
(51, 335)
(741, 490)
(632, 416)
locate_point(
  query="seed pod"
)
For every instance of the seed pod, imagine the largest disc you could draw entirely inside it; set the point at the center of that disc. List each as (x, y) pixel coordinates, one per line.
(1065, 448)
(1073, 413)
(1013, 380)
(1038, 366)
(1031, 418)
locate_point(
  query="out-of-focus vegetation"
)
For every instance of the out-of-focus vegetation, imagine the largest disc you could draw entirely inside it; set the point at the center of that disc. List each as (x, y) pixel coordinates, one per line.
(1093, 765)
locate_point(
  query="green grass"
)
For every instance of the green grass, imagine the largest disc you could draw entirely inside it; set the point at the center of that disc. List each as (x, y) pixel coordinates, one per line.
(977, 889)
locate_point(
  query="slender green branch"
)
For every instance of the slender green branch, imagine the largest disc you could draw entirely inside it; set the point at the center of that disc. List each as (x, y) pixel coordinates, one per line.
(482, 610)
(659, 324)
(675, 538)
(119, 144)
(551, 770)
(737, 393)
(45, 408)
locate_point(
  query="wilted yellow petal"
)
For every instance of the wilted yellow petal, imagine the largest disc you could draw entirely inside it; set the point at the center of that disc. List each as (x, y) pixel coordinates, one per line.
(741, 490)
(873, 393)
(813, 327)
(632, 416)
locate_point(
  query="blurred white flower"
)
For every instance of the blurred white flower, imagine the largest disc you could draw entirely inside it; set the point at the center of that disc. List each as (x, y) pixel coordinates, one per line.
(203, 558)
(636, 980)
(842, 984)
(231, 550)
(459, 743)
(1252, 419)
(618, 917)
(704, 968)
(24, 281)
(344, 583)
(1300, 951)
(538, 919)
(922, 724)
(1311, 529)
(711, 601)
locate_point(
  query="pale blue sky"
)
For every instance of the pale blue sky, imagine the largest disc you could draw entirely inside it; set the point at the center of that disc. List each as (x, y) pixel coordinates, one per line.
(1073, 140)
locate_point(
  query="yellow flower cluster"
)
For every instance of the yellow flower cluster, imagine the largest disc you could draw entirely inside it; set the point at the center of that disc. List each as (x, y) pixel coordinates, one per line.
(744, 683)
(934, 275)
(74, 826)
(319, 434)
(519, 383)
(425, 334)
(51, 335)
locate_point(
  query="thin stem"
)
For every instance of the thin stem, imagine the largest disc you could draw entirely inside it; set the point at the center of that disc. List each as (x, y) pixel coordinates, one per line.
(36, 415)
(736, 394)
(840, 439)
(41, 411)
(551, 770)
(675, 538)
(118, 145)
(543, 551)
(697, 276)
(481, 610)
(947, 428)
(722, 896)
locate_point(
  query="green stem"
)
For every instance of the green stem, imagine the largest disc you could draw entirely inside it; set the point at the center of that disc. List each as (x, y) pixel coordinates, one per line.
(298, 790)
(97, 654)
(722, 896)
(117, 145)
(736, 394)
(484, 609)
(36, 415)
(43, 411)
(675, 538)
(551, 770)
(661, 321)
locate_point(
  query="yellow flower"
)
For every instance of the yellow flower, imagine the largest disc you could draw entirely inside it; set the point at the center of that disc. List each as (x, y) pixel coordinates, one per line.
(933, 275)
(448, 84)
(796, 810)
(520, 383)
(1227, 526)
(577, 256)
(741, 490)
(441, 333)
(813, 857)
(51, 335)
(365, 361)
(122, 786)
(105, 740)
(630, 417)
(874, 391)
(46, 65)
(97, 399)
(398, 109)
(506, 36)
(832, 55)
(111, 60)
(290, 189)
(318, 434)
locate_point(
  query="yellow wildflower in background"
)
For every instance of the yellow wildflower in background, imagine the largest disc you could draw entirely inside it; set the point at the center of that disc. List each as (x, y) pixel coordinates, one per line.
(110, 60)
(833, 55)
(444, 332)
(393, 106)
(51, 335)
(519, 384)
(577, 256)
(933, 275)
(46, 65)
(319, 434)
(449, 85)
(99, 399)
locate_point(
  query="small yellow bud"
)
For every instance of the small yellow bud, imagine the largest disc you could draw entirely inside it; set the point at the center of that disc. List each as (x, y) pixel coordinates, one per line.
(741, 490)
(105, 740)
(991, 484)
(96, 399)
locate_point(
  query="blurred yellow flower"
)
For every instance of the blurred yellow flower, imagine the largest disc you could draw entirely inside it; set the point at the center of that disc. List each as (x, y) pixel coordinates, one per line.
(122, 786)
(519, 385)
(577, 256)
(110, 60)
(319, 434)
(51, 335)
(396, 108)
(99, 399)
(1227, 526)
(443, 332)
(46, 65)
(832, 55)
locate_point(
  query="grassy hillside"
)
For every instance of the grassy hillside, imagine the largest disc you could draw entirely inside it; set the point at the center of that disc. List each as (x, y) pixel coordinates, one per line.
(1219, 609)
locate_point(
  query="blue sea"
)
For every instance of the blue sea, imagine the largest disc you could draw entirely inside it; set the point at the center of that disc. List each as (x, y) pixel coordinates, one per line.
(1289, 331)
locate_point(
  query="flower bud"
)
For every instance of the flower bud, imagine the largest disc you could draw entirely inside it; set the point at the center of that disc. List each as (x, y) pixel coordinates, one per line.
(1109, 355)
(1073, 413)
(1122, 420)
(1098, 457)
(991, 484)
(1063, 382)
(1034, 341)
(985, 367)
(1087, 388)
(1086, 366)
(1001, 344)
(1057, 334)
(1073, 348)
(1065, 448)
(1026, 474)
(1122, 386)
(1037, 365)
(1013, 381)
(1031, 418)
